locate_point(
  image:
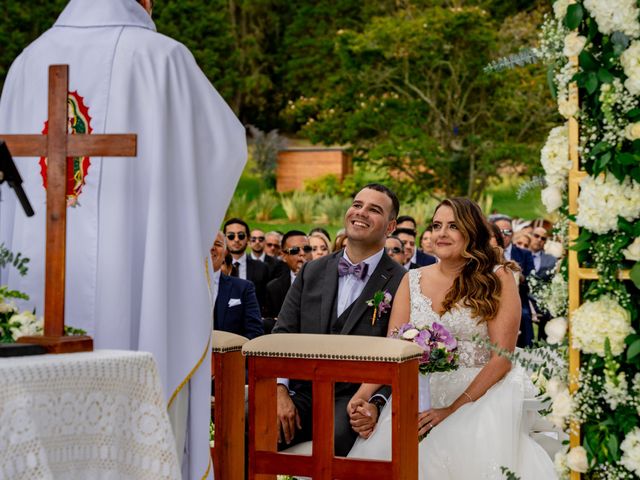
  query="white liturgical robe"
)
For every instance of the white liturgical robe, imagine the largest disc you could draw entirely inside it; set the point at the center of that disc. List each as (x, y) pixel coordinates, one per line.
(139, 234)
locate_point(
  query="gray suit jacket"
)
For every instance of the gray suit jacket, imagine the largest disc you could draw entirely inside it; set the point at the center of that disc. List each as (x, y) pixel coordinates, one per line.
(547, 266)
(308, 305)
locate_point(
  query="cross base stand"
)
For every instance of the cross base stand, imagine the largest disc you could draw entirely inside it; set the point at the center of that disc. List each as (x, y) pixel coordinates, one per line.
(61, 344)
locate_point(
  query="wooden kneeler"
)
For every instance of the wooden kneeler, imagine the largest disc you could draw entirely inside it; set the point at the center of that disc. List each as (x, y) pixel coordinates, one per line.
(324, 360)
(228, 367)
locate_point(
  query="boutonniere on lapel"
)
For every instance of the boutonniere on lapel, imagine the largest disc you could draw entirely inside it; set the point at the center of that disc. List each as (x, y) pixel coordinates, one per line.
(381, 303)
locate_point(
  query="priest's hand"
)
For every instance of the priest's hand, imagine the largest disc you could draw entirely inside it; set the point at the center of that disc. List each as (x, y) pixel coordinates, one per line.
(363, 416)
(288, 418)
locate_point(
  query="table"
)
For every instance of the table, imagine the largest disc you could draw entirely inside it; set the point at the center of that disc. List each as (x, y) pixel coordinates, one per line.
(87, 415)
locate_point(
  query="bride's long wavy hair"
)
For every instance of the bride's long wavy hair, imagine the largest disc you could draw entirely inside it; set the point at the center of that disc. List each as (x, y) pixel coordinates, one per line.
(477, 287)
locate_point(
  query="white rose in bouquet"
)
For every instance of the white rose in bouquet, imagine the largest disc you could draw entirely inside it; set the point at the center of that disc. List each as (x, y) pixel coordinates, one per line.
(560, 8)
(573, 44)
(551, 198)
(556, 329)
(632, 131)
(555, 386)
(577, 459)
(410, 334)
(560, 408)
(632, 252)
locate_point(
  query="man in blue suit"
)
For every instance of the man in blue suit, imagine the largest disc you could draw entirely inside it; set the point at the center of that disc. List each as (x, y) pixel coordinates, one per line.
(236, 306)
(524, 259)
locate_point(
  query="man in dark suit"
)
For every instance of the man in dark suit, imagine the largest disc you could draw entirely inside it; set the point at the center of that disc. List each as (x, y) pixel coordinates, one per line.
(524, 259)
(329, 296)
(544, 266)
(296, 251)
(257, 245)
(236, 306)
(236, 232)
(408, 239)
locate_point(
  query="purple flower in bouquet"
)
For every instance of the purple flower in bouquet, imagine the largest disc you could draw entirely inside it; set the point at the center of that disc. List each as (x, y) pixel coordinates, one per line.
(439, 345)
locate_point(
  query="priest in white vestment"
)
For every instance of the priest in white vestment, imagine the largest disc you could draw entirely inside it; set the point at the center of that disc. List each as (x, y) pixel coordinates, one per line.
(139, 229)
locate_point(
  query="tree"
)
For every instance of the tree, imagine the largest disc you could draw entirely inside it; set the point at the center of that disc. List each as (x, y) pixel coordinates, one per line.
(411, 96)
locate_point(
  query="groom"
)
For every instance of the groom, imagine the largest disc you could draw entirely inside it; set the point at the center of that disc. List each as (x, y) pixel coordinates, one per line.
(329, 296)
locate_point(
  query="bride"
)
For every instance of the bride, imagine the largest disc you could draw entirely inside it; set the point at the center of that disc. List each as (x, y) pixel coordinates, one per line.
(476, 425)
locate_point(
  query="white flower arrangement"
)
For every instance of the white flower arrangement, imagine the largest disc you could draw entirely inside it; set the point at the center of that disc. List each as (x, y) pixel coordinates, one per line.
(616, 390)
(554, 157)
(630, 60)
(632, 252)
(561, 408)
(560, 8)
(632, 131)
(603, 199)
(631, 448)
(615, 16)
(551, 296)
(560, 464)
(551, 197)
(25, 324)
(594, 321)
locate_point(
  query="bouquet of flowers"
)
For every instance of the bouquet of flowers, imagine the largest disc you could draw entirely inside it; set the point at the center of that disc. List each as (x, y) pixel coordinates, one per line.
(439, 345)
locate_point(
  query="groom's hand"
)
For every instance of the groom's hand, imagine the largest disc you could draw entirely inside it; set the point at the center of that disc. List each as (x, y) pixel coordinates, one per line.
(288, 418)
(363, 417)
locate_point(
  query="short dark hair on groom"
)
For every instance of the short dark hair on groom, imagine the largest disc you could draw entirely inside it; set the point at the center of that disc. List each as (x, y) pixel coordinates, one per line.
(378, 187)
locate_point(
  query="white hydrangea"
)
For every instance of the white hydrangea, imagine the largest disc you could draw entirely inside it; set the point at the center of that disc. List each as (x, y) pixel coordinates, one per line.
(596, 320)
(555, 157)
(630, 60)
(614, 394)
(631, 448)
(615, 16)
(603, 199)
(551, 197)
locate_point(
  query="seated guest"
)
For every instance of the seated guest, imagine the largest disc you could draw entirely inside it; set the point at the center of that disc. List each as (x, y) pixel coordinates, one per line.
(273, 241)
(340, 241)
(408, 238)
(321, 230)
(236, 307)
(425, 241)
(524, 259)
(296, 251)
(418, 257)
(236, 232)
(522, 239)
(395, 249)
(544, 266)
(257, 245)
(319, 244)
(496, 236)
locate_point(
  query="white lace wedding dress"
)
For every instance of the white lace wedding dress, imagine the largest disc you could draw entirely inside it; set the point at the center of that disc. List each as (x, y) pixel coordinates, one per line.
(480, 437)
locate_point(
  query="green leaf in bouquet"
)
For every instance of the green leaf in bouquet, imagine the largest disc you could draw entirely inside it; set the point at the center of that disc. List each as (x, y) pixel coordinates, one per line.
(591, 82)
(552, 83)
(635, 274)
(605, 76)
(633, 350)
(634, 114)
(588, 62)
(635, 174)
(574, 16)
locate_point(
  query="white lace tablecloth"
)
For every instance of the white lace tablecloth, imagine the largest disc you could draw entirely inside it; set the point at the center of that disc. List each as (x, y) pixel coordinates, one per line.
(94, 415)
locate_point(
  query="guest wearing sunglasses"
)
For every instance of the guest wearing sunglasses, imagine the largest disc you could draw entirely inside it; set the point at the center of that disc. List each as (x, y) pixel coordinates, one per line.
(236, 232)
(524, 259)
(395, 249)
(296, 251)
(257, 243)
(273, 243)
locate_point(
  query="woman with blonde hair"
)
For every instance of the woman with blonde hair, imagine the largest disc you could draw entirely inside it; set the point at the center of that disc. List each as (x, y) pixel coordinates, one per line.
(476, 422)
(320, 244)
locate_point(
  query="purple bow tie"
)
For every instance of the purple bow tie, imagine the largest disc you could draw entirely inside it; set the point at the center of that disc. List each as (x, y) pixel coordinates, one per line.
(346, 268)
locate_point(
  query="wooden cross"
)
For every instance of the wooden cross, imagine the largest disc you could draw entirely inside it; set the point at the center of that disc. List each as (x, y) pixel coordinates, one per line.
(57, 145)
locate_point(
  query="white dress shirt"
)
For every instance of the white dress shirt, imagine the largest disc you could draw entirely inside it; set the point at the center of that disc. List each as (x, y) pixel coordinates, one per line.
(261, 257)
(537, 257)
(350, 287)
(216, 286)
(507, 252)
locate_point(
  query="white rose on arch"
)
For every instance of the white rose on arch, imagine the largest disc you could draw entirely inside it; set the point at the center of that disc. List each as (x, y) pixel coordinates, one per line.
(556, 329)
(632, 252)
(554, 248)
(632, 131)
(567, 108)
(577, 460)
(573, 44)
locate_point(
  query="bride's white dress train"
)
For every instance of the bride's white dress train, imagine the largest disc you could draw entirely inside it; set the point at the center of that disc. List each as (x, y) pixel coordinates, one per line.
(480, 437)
